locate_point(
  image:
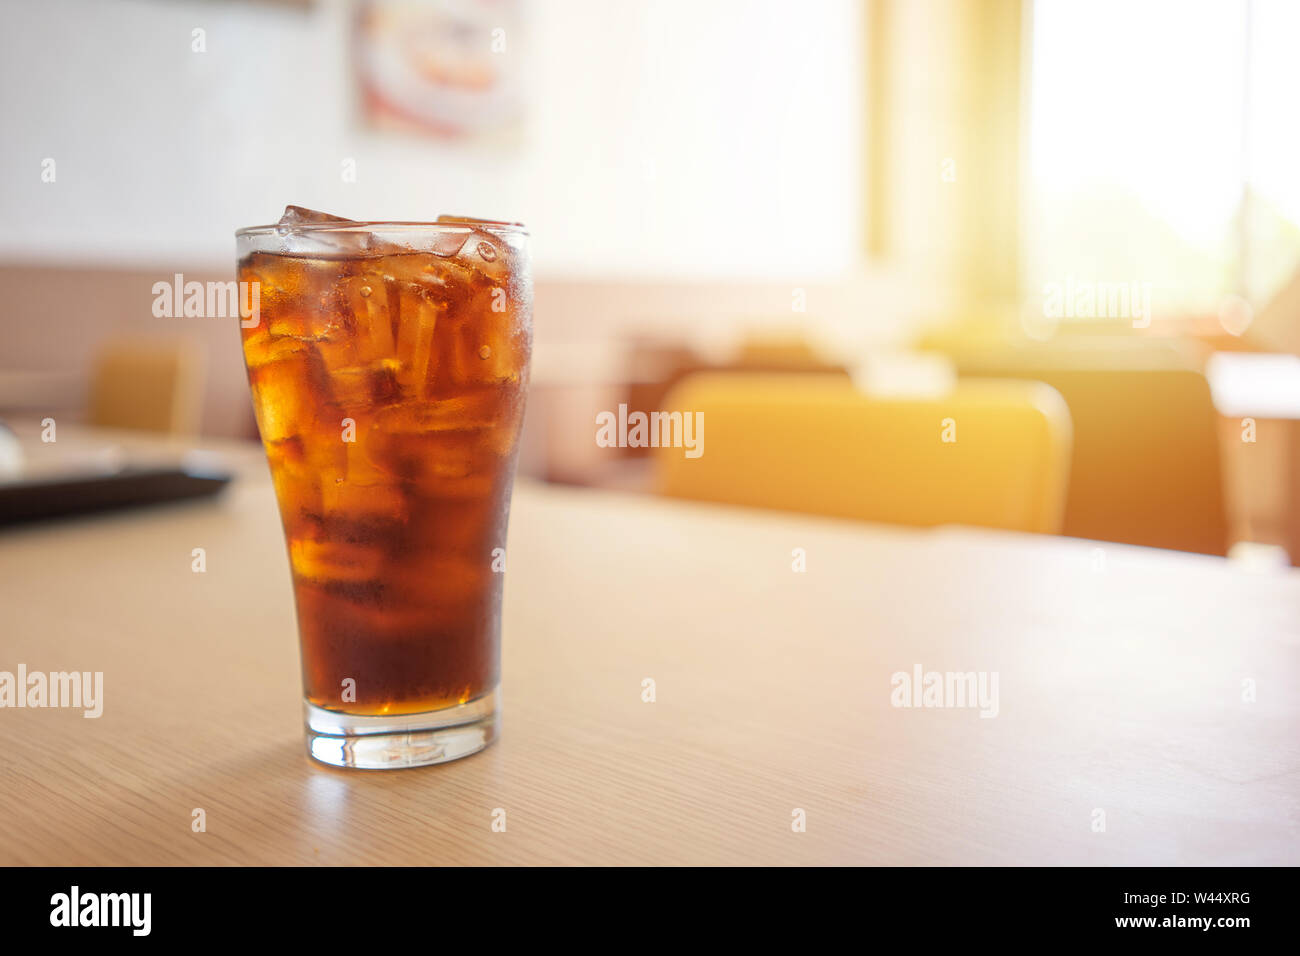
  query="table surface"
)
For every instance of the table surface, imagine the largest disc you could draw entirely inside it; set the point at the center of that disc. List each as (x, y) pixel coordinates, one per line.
(1120, 698)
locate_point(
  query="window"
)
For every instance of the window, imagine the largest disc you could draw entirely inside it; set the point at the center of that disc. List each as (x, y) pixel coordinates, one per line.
(1163, 149)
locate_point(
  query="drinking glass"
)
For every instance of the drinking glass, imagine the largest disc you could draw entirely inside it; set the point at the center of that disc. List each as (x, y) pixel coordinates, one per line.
(388, 363)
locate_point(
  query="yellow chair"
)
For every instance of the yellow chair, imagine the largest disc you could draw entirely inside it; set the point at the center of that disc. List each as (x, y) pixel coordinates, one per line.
(1146, 466)
(154, 386)
(988, 453)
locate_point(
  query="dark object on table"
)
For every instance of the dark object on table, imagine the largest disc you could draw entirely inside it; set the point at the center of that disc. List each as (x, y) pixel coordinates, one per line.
(34, 500)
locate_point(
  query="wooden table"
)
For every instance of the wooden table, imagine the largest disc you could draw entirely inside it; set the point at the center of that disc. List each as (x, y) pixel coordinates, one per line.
(1120, 690)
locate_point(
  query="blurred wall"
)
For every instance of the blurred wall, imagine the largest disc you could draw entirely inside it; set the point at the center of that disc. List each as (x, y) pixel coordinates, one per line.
(678, 138)
(688, 170)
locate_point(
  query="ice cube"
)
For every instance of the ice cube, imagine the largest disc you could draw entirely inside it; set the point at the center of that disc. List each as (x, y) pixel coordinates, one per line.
(449, 242)
(356, 496)
(469, 409)
(430, 293)
(358, 388)
(373, 304)
(441, 447)
(334, 560)
(303, 322)
(490, 254)
(297, 484)
(285, 394)
(298, 215)
(416, 338)
(297, 237)
(262, 348)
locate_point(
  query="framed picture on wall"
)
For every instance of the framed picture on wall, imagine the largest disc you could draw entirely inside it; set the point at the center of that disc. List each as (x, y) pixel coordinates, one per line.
(446, 69)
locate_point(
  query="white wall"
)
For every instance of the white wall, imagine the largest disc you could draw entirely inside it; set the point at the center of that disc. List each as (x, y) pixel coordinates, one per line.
(748, 111)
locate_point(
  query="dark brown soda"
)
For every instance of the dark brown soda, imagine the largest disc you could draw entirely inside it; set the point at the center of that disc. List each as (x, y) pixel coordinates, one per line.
(389, 391)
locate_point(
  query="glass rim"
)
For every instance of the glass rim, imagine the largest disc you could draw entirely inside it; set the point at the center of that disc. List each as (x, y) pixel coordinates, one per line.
(379, 225)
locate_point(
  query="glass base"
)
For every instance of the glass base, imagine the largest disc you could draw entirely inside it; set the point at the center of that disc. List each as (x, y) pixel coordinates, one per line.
(404, 740)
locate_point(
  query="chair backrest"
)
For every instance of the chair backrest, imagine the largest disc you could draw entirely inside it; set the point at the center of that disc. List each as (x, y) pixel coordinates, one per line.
(152, 386)
(993, 453)
(1146, 464)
